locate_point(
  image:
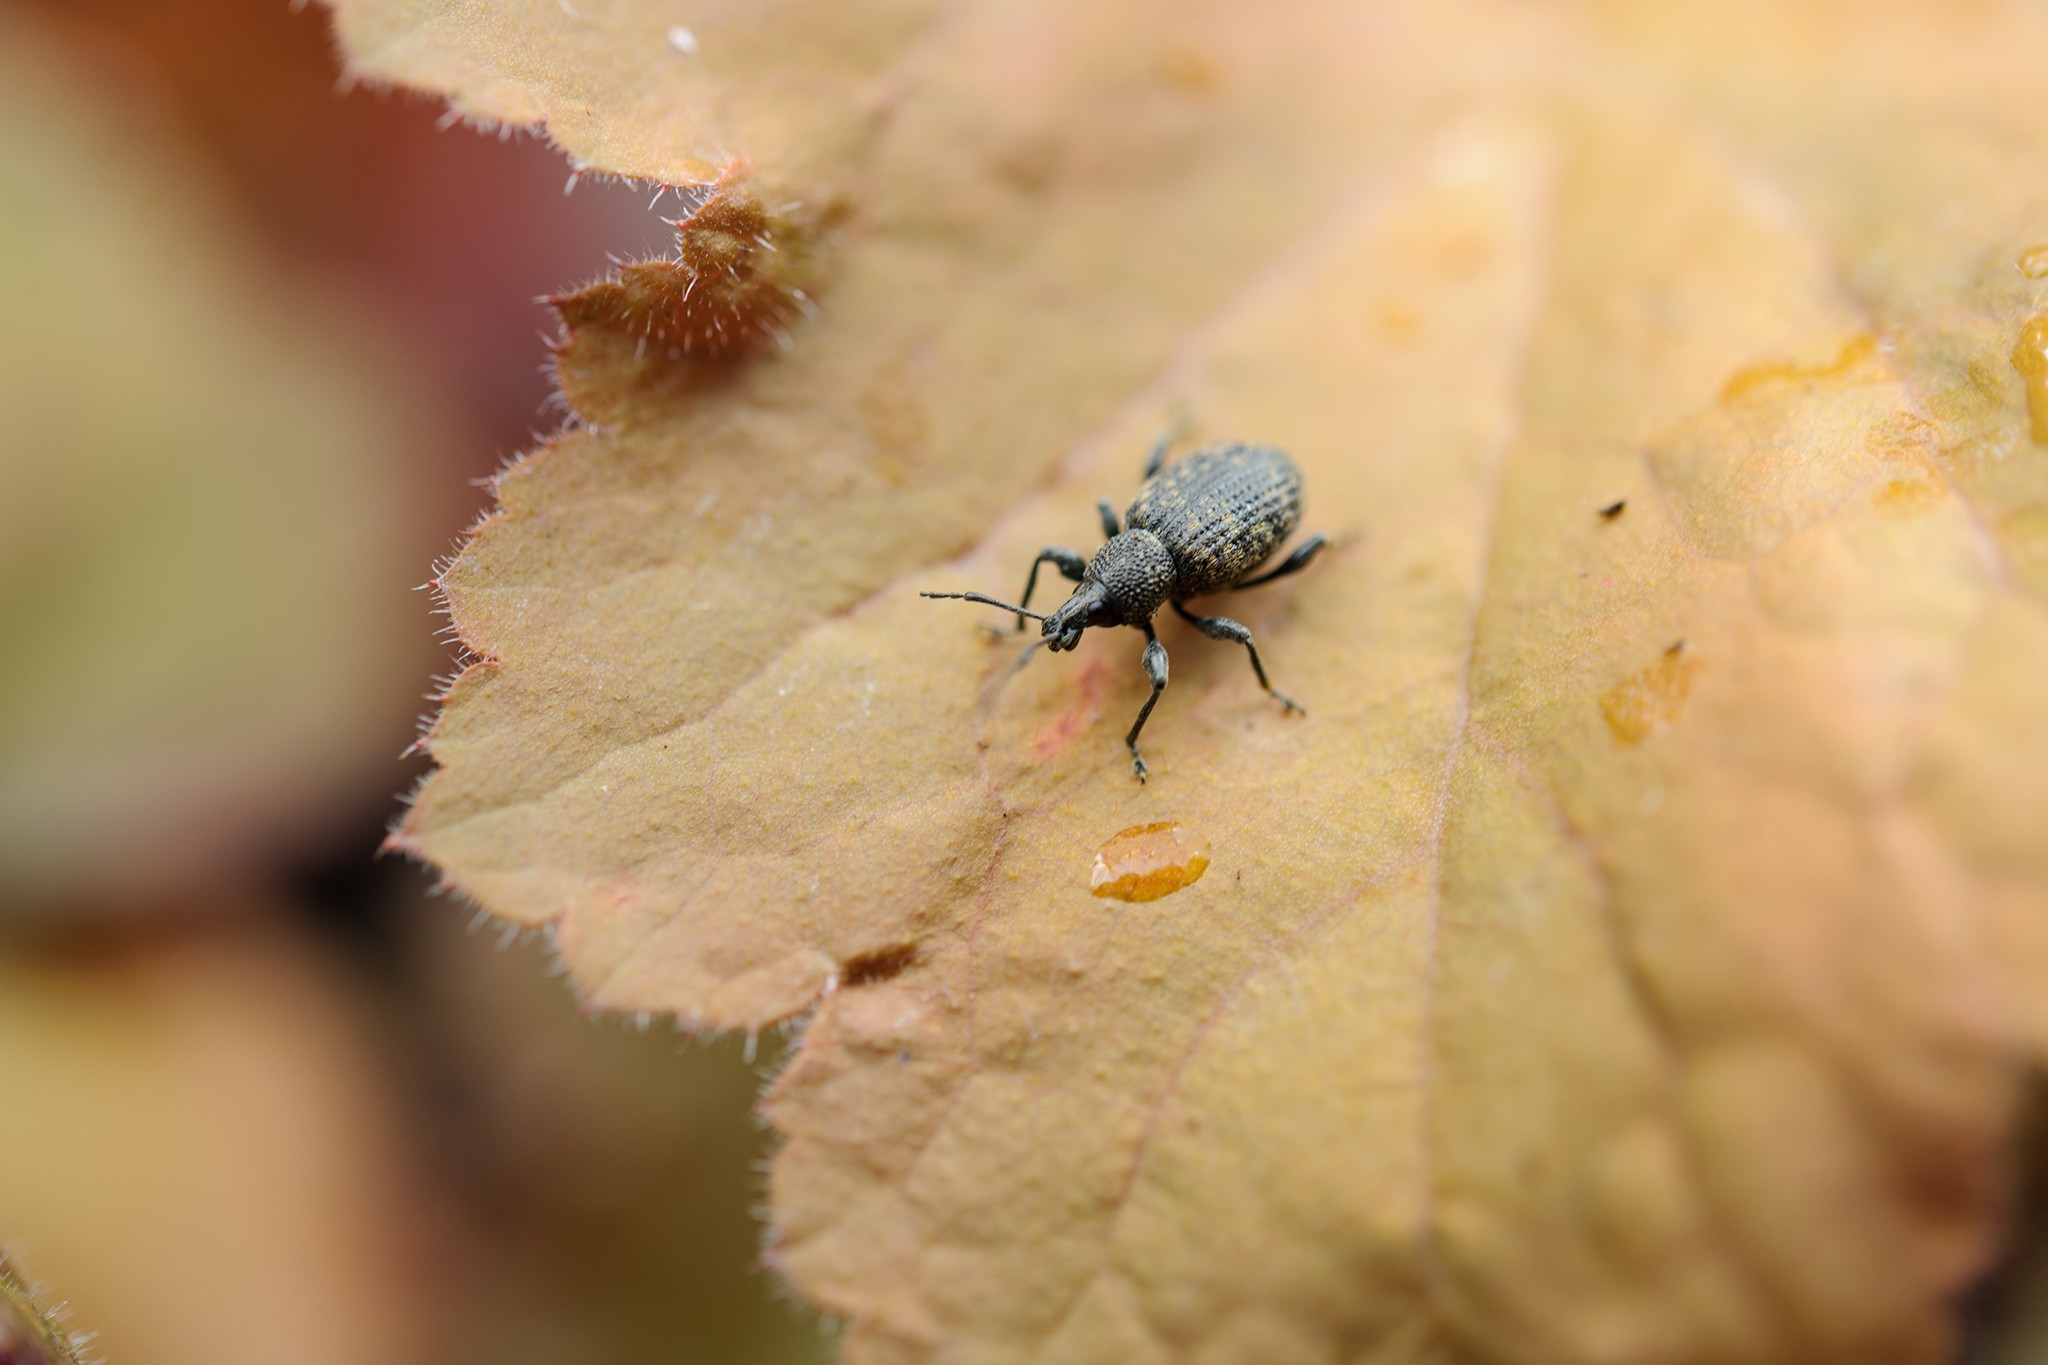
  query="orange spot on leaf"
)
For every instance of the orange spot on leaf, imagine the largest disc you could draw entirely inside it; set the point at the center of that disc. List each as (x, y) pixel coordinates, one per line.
(1650, 700)
(1145, 862)
(1191, 70)
(1399, 324)
(1908, 496)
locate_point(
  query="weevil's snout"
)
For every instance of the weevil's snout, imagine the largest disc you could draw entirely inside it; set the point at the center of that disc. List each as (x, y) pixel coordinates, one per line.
(1087, 607)
(1060, 632)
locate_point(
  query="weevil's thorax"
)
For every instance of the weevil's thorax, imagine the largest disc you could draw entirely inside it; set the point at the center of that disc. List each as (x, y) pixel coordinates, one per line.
(1136, 574)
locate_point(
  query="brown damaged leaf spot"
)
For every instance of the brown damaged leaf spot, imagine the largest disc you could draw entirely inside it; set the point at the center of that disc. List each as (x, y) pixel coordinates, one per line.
(1565, 1000)
(747, 262)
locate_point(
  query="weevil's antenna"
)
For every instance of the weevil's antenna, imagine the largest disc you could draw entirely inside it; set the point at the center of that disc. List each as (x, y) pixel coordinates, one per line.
(986, 601)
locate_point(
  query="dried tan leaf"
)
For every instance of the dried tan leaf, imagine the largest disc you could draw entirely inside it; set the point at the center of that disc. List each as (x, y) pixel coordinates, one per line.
(1628, 958)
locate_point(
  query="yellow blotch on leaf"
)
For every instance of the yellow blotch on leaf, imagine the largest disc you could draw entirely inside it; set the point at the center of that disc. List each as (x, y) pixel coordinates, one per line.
(2030, 358)
(1905, 497)
(1855, 353)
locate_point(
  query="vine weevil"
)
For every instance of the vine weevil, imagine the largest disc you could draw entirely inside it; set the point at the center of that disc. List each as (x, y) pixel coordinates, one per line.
(1200, 527)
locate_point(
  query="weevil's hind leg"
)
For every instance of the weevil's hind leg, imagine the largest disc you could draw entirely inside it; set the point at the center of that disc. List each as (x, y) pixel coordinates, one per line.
(1110, 529)
(1223, 628)
(1155, 669)
(1177, 426)
(1294, 563)
(1066, 561)
(1156, 457)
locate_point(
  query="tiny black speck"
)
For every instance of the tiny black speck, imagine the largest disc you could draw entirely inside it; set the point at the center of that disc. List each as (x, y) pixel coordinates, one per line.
(1614, 509)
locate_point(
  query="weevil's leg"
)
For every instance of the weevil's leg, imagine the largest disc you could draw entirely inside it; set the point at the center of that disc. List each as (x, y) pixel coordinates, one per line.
(1157, 456)
(1108, 511)
(1294, 563)
(1155, 669)
(1066, 561)
(1223, 628)
(1177, 426)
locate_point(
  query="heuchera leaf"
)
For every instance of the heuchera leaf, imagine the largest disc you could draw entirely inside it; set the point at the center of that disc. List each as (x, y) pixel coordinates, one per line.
(1631, 955)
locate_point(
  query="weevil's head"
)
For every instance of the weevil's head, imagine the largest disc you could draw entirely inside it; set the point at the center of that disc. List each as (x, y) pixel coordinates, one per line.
(1126, 584)
(1087, 607)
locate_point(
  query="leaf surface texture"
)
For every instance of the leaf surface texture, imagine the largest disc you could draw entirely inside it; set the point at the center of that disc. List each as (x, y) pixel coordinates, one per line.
(1629, 957)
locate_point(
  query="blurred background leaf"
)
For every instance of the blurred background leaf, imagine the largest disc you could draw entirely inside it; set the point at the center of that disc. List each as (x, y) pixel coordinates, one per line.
(261, 1097)
(203, 526)
(196, 1153)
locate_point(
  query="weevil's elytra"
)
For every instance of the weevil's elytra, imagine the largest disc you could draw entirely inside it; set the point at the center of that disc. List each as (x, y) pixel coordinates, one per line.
(1203, 526)
(1221, 513)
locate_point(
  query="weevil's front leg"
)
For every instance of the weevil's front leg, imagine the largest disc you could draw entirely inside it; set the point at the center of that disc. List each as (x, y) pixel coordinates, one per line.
(1223, 628)
(1294, 563)
(1155, 669)
(1066, 561)
(1109, 524)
